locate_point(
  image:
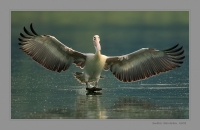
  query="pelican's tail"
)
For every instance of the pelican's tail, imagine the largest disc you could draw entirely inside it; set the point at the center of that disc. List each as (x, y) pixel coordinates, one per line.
(80, 77)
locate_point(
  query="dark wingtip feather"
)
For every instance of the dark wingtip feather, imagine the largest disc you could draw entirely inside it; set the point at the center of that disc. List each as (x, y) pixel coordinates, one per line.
(21, 40)
(175, 50)
(172, 47)
(22, 35)
(27, 32)
(178, 54)
(31, 26)
(178, 62)
(178, 58)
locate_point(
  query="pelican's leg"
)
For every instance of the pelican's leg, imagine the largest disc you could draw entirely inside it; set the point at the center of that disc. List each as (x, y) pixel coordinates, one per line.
(87, 84)
(86, 80)
(96, 83)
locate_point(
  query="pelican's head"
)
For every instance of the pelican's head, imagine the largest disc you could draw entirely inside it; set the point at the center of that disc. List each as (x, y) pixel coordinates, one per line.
(96, 41)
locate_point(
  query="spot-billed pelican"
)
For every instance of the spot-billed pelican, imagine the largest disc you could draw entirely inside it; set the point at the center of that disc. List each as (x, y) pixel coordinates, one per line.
(138, 65)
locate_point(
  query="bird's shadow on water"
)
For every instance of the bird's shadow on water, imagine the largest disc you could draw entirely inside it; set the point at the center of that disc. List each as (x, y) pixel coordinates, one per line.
(93, 93)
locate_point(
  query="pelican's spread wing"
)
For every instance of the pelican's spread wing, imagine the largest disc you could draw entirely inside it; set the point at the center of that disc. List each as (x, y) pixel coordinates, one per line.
(50, 52)
(144, 63)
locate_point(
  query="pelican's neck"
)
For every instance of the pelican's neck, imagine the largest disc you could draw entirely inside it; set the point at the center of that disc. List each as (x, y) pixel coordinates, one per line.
(98, 54)
(97, 47)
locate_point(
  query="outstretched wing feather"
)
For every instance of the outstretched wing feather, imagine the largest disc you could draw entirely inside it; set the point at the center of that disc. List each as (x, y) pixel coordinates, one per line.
(144, 63)
(49, 52)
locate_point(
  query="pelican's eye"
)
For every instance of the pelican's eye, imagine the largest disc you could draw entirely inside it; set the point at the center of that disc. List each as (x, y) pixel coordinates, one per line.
(94, 38)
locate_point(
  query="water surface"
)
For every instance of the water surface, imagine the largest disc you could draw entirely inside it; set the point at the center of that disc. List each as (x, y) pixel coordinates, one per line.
(37, 93)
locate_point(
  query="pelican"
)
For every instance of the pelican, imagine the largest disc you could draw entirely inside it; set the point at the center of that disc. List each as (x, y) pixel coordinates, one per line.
(141, 64)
